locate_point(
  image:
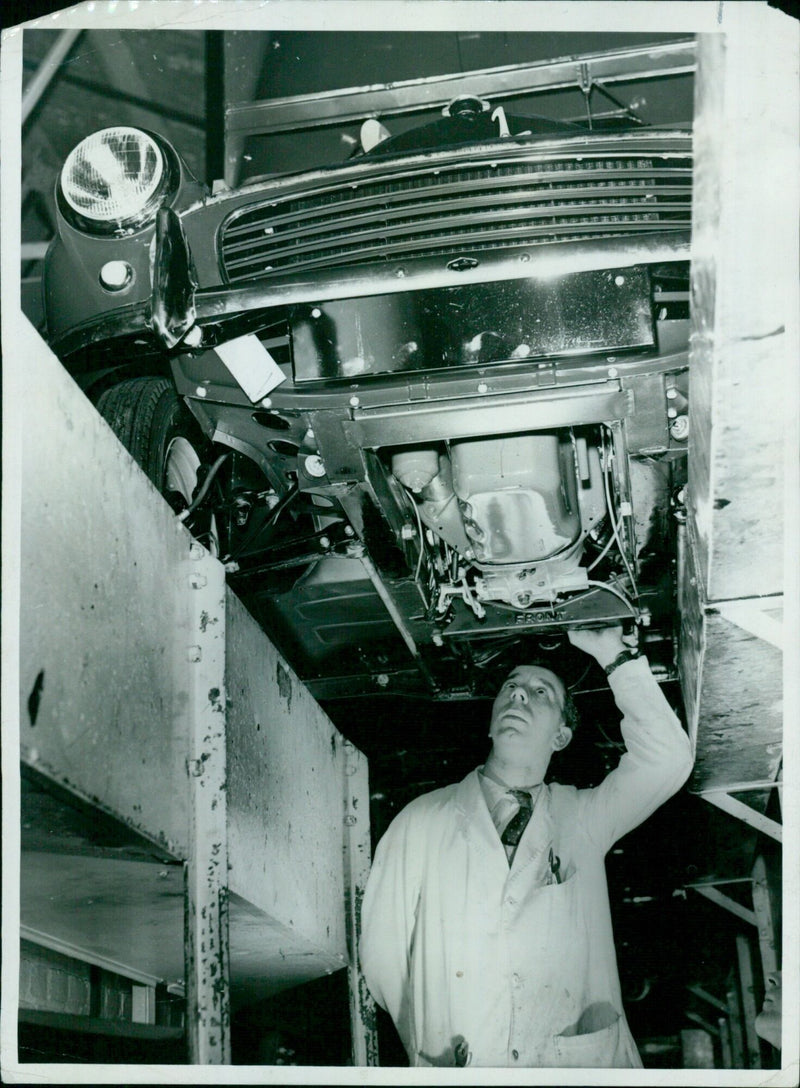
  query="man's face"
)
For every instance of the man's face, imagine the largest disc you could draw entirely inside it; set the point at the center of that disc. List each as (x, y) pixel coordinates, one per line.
(528, 714)
(768, 1021)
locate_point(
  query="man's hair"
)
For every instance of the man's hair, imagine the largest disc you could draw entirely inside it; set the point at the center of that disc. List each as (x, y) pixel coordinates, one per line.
(572, 718)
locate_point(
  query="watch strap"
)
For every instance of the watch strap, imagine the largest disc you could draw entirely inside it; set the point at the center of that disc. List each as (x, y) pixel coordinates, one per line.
(620, 659)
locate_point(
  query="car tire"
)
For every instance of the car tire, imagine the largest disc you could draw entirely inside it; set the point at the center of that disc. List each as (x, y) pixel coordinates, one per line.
(160, 433)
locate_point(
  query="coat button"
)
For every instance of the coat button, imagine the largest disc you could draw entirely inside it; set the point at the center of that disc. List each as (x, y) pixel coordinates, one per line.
(515, 1054)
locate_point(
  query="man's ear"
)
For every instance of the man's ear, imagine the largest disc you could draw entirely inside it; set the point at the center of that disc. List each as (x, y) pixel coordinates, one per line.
(562, 738)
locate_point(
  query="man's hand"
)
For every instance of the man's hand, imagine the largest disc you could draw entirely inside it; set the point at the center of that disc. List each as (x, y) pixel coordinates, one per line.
(602, 643)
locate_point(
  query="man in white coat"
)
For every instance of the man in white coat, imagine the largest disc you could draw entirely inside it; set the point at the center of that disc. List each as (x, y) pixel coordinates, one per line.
(486, 930)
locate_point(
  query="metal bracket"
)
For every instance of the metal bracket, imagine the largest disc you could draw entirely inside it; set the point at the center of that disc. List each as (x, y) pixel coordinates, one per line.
(357, 862)
(353, 104)
(206, 872)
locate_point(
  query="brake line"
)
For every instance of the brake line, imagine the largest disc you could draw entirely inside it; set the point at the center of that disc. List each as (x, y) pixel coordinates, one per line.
(201, 494)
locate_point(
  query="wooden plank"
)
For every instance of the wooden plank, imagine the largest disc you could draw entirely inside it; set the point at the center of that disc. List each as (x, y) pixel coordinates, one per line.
(735, 1026)
(696, 1018)
(764, 911)
(757, 615)
(47, 71)
(729, 904)
(704, 995)
(723, 800)
(725, 1043)
(749, 1010)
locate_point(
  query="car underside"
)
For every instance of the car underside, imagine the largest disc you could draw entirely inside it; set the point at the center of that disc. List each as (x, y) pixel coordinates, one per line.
(428, 407)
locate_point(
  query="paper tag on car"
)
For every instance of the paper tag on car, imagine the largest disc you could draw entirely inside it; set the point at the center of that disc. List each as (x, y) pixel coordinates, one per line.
(251, 365)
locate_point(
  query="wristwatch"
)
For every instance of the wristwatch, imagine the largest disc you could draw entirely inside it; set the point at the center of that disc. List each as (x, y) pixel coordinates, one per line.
(621, 658)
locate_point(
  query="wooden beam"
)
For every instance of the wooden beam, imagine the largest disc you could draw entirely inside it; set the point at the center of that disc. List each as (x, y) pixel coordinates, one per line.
(723, 800)
(47, 71)
(749, 1011)
(725, 1040)
(765, 918)
(704, 995)
(722, 900)
(735, 1024)
(696, 1018)
(750, 615)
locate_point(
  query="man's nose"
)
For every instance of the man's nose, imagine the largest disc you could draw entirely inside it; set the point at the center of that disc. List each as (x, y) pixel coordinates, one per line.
(519, 695)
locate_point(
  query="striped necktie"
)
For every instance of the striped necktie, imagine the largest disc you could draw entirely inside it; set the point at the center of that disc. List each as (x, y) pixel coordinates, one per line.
(517, 824)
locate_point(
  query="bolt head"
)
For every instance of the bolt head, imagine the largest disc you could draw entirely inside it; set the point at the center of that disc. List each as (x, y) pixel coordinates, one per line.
(116, 275)
(314, 466)
(194, 337)
(679, 428)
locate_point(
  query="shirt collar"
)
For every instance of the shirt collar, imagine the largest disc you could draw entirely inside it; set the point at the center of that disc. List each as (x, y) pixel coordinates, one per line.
(495, 791)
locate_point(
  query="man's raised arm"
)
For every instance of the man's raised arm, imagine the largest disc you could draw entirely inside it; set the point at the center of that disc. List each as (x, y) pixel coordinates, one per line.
(658, 757)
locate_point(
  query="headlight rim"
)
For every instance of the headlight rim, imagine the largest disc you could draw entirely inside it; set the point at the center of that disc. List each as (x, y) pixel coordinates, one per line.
(145, 216)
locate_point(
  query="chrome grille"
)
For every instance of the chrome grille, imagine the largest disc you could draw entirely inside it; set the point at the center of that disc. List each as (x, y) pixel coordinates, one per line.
(427, 210)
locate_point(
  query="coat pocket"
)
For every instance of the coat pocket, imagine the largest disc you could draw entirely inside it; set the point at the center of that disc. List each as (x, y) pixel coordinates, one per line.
(595, 1050)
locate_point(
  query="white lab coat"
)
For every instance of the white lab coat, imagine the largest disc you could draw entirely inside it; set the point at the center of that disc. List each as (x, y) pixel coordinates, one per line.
(461, 949)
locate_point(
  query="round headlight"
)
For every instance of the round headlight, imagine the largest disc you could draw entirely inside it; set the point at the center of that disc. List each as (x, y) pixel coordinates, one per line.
(114, 176)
